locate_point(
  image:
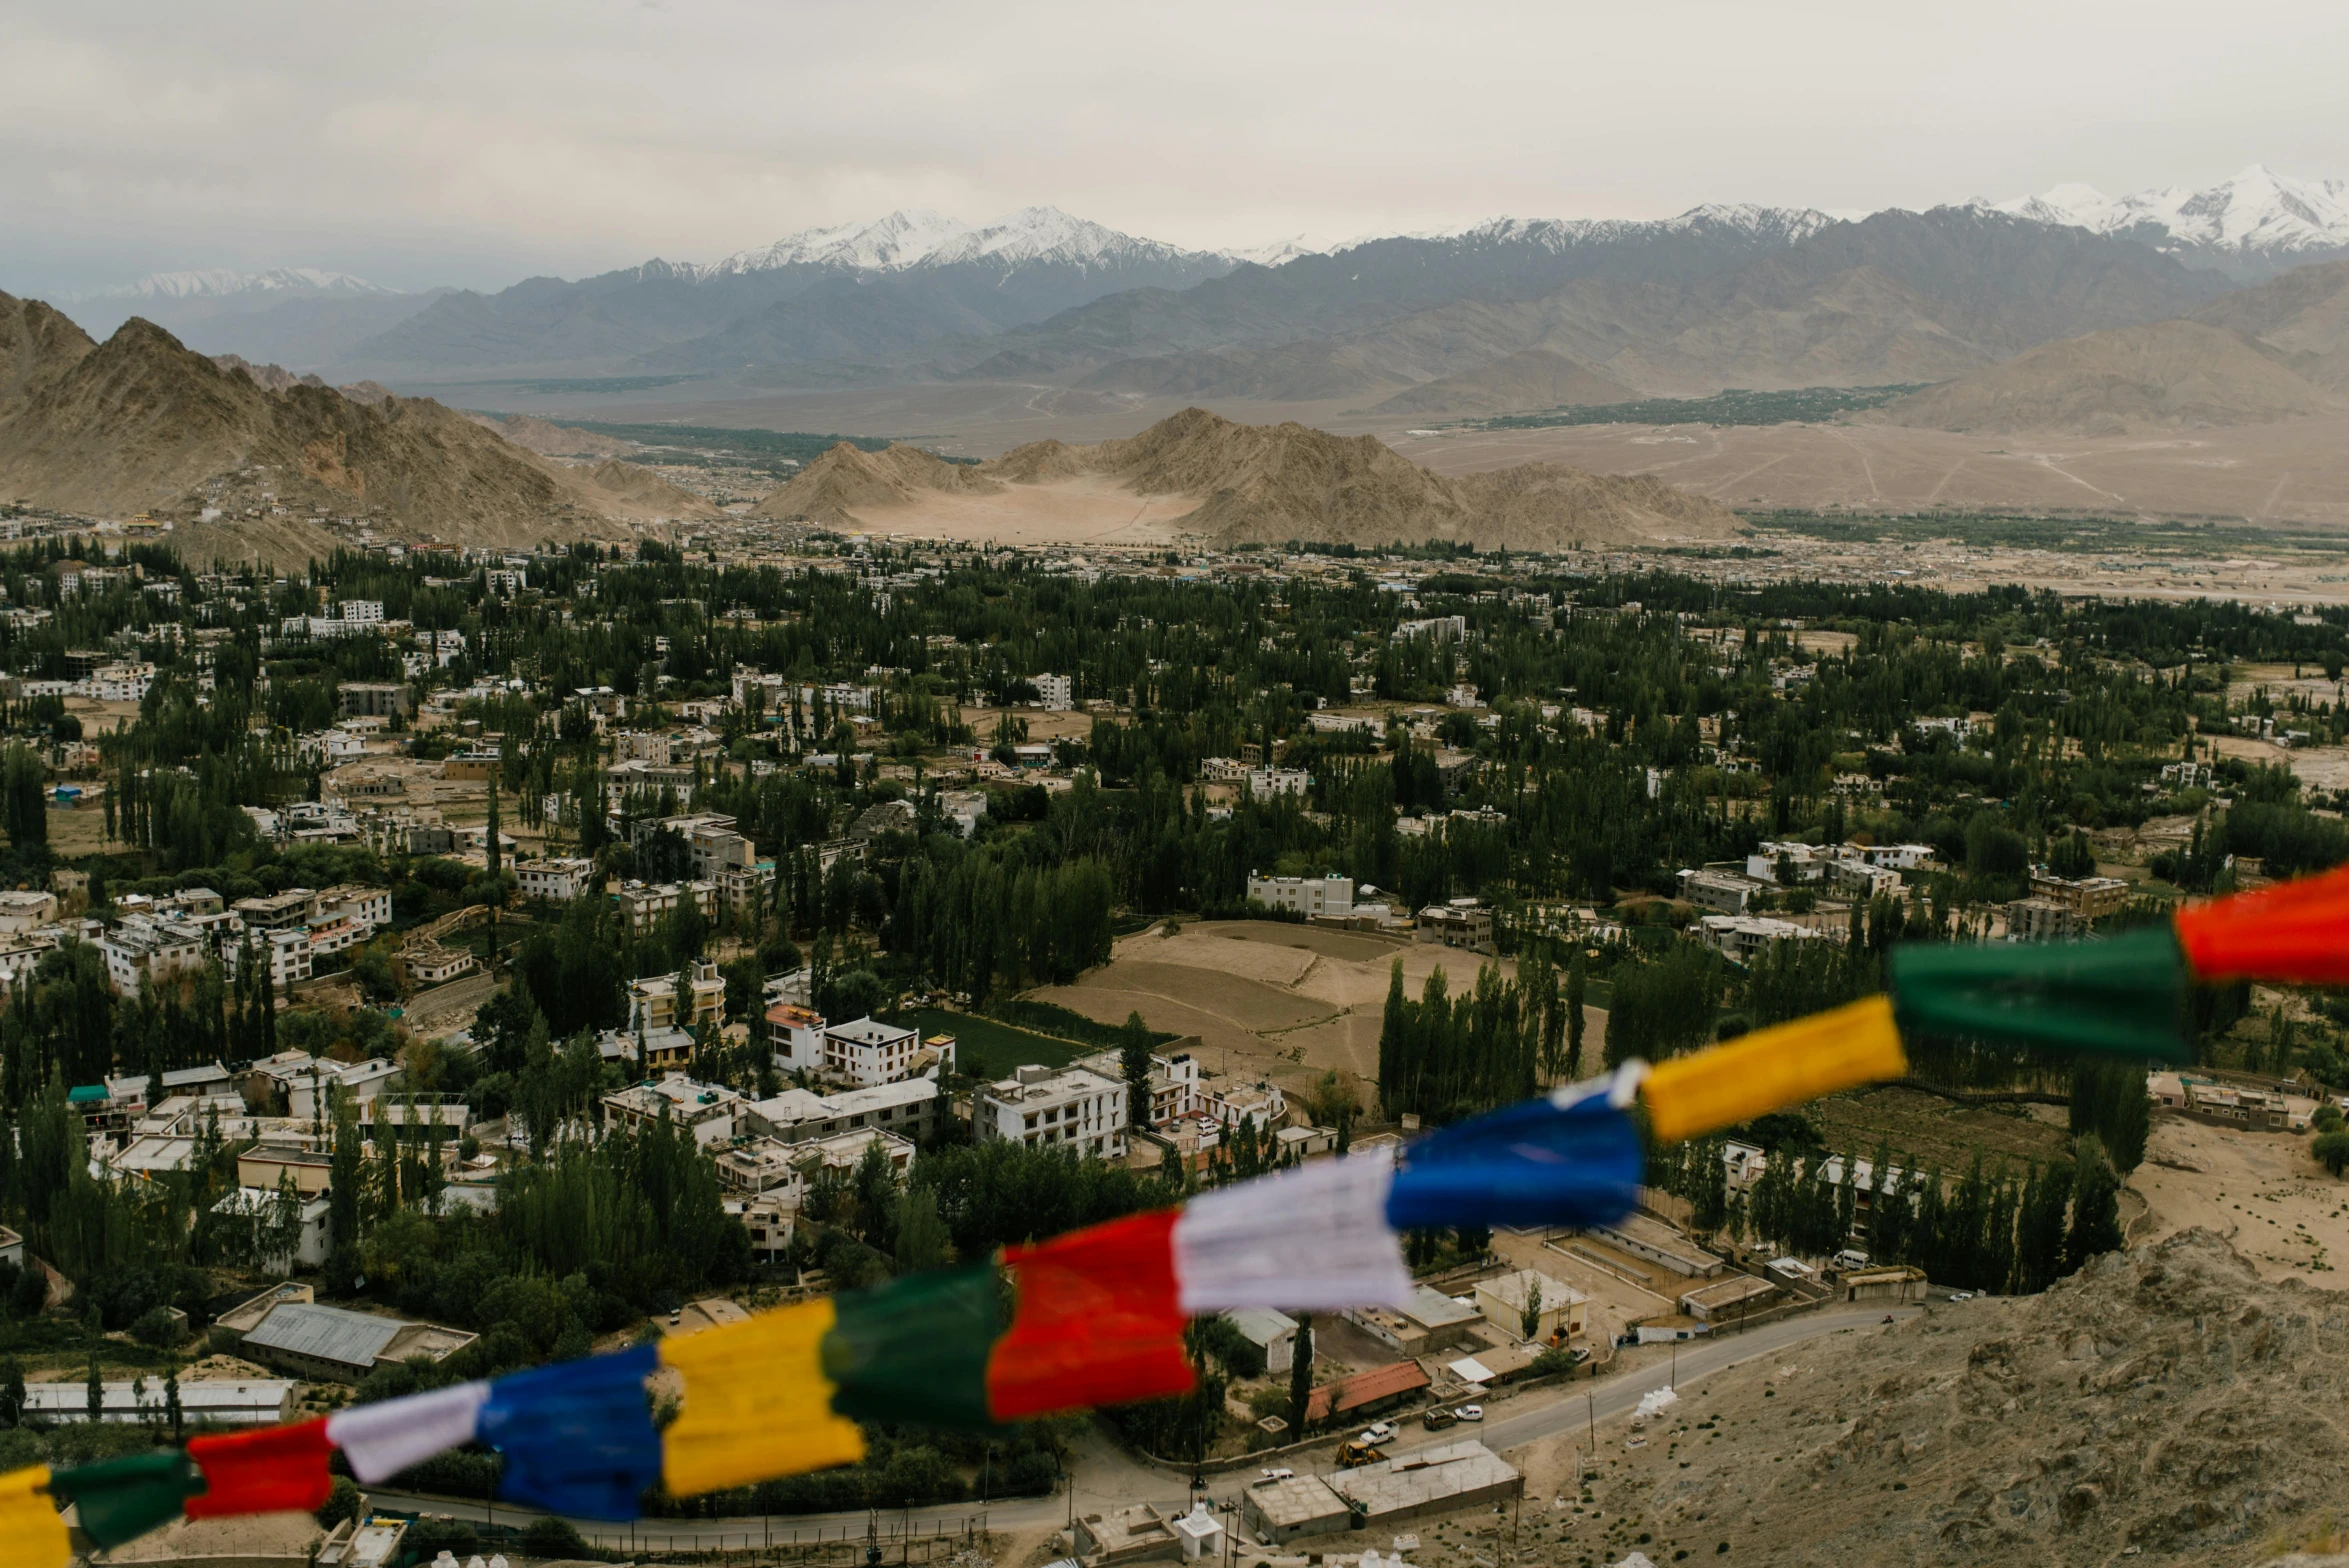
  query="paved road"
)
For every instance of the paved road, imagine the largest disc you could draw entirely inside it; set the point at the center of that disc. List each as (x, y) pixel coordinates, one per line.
(1105, 1474)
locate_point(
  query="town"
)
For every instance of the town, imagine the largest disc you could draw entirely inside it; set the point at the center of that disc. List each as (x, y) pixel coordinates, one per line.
(419, 966)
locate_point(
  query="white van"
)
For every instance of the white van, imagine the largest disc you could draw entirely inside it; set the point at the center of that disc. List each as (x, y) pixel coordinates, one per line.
(1851, 1258)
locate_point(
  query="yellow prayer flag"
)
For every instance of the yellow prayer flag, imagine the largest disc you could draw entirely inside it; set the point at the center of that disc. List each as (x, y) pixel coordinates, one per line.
(1772, 1069)
(32, 1533)
(757, 1404)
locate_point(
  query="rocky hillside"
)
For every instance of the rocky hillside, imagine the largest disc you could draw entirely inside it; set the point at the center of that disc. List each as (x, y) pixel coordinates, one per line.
(2163, 1406)
(141, 423)
(548, 439)
(1272, 483)
(846, 480)
(1529, 378)
(2166, 376)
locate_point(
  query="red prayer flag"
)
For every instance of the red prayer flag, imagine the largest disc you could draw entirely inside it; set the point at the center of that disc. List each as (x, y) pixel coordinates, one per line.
(1099, 1321)
(280, 1469)
(2295, 934)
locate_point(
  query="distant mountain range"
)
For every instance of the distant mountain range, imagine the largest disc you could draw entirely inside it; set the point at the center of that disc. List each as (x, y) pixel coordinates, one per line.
(1454, 323)
(2250, 227)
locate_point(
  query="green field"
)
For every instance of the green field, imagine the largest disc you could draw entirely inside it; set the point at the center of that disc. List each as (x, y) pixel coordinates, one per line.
(1733, 407)
(2072, 535)
(987, 1049)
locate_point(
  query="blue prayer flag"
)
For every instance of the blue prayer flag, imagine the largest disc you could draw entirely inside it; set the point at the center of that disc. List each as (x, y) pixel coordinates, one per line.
(577, 1436)
(1541, 1162)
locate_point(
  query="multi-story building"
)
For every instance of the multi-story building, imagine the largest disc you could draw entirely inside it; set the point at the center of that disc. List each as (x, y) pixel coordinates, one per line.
(796, 1036)
(1076, 1108)
(373, 699)
(709, 1110)
(1055, 693)
(363, 612)
(1308, 896)
(642, 904)
(556, 881)
(274, 911)
(346, 915)
(1175, 1084)
(2091, 898)
(909, 1109)
(1461, 922)
(652, 1001)
(144, 947)
(868, 1052)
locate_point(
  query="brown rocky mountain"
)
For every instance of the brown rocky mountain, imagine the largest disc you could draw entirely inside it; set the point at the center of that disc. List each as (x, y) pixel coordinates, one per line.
(1271, 483)
(1529, 378)
(269, 378)
(2165, 376)
(844, 481)
(2304, 313)
(548, 439)
(141, 423)
(1896, 297)
(2153, 1409)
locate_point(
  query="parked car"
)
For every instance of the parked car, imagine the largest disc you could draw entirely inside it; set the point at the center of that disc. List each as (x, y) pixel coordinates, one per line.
(1277, 1473)
(1961, 1295)
(1379, 1432)
(1437, 1420)
(1470, 1412)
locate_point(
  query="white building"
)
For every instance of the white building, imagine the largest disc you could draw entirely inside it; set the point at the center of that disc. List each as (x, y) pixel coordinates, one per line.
(363, 612)
(796, 1036)
(1055, 693)
(1075, 1107)
(1264, 783)
(1308, 896)
(709, 1110)
(556, 881)
(1742, 938)
(346, 915)
(908, 1109)
(145, 947)
(869, 1052)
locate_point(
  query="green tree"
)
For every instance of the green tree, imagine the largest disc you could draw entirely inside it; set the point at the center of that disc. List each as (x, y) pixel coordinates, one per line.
(921, 1234)
(1577, 988)
(1529, 1320)
(2096, 1205)
(24, 803)
(2331, 1150)
(1134, 1055)
(12, 1392)
(1301, 1376)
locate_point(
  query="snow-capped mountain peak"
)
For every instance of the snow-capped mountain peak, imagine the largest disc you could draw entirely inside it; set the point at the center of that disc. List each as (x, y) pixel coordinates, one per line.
(2257, 216)
(217, 282)
(902, 239)
(905, 240)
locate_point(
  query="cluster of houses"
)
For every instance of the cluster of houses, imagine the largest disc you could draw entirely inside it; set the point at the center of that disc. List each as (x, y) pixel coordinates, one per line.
(153, 940)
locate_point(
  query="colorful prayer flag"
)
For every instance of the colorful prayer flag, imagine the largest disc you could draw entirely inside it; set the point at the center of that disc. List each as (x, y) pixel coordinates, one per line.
(2123, 994)
(1311, 1239)
(1099, 1321)
(2295, 934)
(381, 1440)
(1569, 1159)
(1771, 1069)
(916, 1348)
(577, 1436)
(279, 1469)
(757, 1403)
(32, 1532)
(118, 1500)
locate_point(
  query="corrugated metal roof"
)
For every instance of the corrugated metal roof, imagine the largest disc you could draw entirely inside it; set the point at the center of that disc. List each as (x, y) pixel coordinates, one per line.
(327, 1333)
(1364, 1387)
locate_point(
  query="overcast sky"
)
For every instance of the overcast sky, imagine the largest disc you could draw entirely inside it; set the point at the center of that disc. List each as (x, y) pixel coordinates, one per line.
(477, 143)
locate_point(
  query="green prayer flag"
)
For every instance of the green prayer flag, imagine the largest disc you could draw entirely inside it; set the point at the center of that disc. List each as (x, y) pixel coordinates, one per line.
(118, 1500)
(2124, 995)
(916, 1349)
